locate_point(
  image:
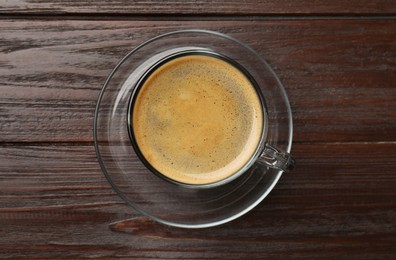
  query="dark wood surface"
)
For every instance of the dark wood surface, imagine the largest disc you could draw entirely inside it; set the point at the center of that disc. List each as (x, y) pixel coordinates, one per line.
(338, 64)
(200, 7)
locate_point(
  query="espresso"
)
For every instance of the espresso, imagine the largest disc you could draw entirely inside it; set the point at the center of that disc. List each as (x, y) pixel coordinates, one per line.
(197, 119)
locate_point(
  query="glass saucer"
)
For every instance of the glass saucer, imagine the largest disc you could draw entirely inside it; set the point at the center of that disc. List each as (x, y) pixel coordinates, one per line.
(168, 202)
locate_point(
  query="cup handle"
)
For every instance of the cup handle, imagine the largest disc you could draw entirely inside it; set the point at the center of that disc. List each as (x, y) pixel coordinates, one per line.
(276, 159)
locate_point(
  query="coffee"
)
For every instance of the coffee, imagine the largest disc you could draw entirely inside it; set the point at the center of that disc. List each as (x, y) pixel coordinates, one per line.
(197, 119)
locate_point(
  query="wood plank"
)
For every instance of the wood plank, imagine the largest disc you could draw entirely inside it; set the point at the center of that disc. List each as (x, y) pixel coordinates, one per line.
(339, 74)
(200, 7)
(339, 198)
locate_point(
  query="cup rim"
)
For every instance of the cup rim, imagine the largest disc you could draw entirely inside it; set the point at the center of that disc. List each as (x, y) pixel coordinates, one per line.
(264, 131)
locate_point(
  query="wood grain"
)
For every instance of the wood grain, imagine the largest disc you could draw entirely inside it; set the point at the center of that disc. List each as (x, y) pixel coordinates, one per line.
(56, 204)
(339, 74)
(201, 7)
(337, 61)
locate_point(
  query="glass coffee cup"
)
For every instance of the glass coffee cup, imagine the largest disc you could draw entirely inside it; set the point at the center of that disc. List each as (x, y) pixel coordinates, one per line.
(163, 120)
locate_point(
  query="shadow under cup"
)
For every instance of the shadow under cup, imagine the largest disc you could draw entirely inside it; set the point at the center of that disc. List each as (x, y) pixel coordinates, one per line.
(163, 199)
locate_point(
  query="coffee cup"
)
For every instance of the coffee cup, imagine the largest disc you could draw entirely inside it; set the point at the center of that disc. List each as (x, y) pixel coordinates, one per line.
(198, 118)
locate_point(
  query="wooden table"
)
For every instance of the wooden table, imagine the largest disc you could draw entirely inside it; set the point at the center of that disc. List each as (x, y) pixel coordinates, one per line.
(337, 60)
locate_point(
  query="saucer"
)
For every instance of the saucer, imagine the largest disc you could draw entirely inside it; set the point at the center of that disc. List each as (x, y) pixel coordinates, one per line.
(146, 192)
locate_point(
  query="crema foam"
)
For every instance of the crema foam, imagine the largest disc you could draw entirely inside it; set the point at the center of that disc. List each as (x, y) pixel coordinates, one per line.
(197, 119)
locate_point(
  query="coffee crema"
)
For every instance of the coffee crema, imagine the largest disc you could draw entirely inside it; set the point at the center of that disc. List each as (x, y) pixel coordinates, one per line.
(197, 119)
